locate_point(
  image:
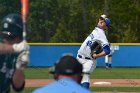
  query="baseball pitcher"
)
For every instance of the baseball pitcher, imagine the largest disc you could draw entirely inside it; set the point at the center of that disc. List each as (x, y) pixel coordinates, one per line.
(95, 45)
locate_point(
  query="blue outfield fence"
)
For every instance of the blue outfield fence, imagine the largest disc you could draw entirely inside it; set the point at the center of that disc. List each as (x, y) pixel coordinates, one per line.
(125, 55)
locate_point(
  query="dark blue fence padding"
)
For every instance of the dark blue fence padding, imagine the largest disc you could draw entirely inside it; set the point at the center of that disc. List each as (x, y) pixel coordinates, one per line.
(48, 55)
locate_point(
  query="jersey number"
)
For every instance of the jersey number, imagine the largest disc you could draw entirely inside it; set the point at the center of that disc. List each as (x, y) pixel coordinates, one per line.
(89, 43)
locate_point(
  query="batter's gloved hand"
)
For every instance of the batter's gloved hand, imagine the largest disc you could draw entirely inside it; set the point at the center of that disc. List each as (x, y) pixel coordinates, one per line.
(22, 46)
(22, 60)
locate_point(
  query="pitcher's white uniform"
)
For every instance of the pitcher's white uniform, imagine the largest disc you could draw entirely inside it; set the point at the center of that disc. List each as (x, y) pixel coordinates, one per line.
(84, 53)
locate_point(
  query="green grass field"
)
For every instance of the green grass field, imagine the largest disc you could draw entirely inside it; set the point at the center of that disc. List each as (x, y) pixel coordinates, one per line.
(99, 73)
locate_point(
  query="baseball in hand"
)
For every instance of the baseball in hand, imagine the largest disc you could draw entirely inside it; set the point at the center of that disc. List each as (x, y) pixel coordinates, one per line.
(103, 16)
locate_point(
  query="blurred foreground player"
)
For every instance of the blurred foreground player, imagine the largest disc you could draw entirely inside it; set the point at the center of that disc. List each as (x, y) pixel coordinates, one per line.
(14, 54)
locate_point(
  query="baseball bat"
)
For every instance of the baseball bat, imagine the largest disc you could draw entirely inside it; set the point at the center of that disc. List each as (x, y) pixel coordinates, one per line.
(24, 13)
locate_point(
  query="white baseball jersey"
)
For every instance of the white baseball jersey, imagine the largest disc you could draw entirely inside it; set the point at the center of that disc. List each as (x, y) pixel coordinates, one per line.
(97, 34)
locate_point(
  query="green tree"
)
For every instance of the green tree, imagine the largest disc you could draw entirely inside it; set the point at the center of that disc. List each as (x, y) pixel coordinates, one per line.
(42, 20)
(73, 20)
(124, 16)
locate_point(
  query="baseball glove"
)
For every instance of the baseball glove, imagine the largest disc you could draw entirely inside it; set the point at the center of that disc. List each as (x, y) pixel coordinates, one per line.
(96, 47)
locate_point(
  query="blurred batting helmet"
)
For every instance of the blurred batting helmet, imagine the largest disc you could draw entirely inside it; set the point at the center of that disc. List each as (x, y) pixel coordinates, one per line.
(12, 25)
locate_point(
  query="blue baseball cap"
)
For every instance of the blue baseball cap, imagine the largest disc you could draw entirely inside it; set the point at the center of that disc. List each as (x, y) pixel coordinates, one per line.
(107, 20)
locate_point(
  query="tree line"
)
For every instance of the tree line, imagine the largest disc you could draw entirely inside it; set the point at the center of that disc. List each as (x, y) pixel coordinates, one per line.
(73, 20)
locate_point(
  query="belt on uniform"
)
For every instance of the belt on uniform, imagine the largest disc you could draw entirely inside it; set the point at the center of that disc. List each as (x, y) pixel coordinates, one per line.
(84, 57)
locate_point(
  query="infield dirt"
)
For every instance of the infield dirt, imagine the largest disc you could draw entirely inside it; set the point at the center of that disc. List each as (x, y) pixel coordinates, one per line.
(94, 82)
